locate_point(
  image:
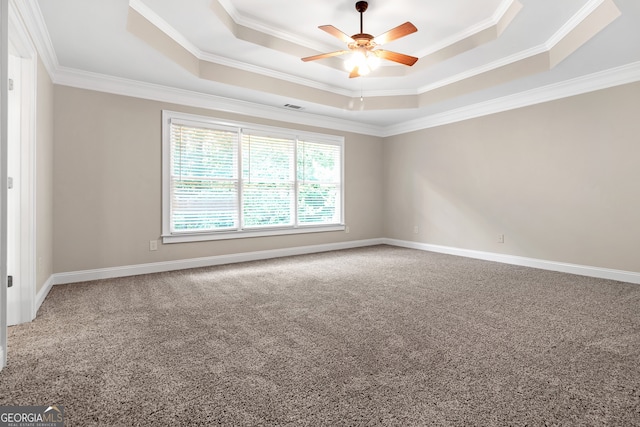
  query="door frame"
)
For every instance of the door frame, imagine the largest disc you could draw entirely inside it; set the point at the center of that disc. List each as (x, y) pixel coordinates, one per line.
(21, 35)
(20, 42)
(4, 59)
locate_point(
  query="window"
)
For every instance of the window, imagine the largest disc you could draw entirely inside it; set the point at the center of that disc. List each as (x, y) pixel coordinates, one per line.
(225, 180)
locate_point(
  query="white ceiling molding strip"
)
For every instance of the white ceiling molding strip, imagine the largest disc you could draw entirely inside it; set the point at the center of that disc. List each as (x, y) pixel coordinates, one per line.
(165, 27)
(545, 47)
(176, 36)
(288, 44)
(573, 22)
(207, 57)
(597, 81)
(243, 21)
(119, 86)
(492, 21)
(34, 21)
(594, 22)
(602, 80)
(507, 60)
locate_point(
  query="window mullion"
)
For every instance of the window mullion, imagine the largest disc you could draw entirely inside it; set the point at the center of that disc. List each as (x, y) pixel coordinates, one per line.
(239, 153)
(296, 188)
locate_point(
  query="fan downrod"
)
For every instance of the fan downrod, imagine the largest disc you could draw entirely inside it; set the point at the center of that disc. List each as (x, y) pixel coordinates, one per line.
(361, 6)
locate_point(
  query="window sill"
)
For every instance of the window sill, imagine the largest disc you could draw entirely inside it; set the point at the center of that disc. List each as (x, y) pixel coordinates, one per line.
(226, 235)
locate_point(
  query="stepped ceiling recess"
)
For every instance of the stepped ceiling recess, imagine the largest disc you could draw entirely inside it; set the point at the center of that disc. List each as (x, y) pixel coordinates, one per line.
(475, 56)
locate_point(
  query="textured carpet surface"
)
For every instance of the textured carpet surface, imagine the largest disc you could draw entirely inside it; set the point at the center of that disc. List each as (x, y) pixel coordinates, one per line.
(362, 337)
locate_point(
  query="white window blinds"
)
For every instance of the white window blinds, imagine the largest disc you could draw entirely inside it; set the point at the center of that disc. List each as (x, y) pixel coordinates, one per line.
(268, 180)
(204, 178)
(319, 183)
(235, 180)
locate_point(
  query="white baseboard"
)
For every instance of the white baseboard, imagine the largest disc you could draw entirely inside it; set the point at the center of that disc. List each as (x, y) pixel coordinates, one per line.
(42, 294)
(582, 270)
(133, 270)
(158, 267)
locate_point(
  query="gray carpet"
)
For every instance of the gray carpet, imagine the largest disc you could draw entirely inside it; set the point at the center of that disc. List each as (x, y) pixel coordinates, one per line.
(362, 337)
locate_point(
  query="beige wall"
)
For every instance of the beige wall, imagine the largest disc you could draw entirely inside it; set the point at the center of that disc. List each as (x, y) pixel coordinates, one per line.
(107, 185)
(561, 180)
(44, 177)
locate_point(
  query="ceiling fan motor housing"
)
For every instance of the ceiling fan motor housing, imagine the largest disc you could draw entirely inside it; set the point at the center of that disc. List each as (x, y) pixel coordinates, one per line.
(362, 41)
(362, 6)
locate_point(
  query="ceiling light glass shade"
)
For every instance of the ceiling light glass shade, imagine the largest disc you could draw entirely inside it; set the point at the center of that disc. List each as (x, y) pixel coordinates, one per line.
(365, 61)
(373, 61)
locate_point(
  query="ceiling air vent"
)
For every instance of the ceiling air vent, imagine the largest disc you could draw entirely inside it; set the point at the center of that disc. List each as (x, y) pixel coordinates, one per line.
(293, 107)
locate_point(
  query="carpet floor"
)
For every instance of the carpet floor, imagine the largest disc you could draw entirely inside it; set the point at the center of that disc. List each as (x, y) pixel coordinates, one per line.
(361, 337)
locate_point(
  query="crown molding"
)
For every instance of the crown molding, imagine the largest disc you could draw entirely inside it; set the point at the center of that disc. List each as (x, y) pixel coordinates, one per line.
(573, 22)
(545, 47)
(208, 57)
(34, 22)
(511, 59)
(137, 89)
(625, 74)
(201, 55)
(165, 27)
(243, 21)
(493, 20)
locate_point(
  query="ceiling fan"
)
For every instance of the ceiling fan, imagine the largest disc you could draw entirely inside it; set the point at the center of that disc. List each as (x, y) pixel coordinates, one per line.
(364, 55)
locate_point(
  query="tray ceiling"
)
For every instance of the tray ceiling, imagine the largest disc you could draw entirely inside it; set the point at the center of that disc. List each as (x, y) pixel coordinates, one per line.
(472, 53)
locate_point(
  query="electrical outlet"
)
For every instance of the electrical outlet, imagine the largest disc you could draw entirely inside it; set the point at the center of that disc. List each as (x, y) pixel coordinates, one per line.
(346, 229)
(500, 238)
(415, 229)
(153, 245)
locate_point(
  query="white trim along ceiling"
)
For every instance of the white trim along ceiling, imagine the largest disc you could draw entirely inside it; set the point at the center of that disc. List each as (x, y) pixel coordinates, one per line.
(476, 57)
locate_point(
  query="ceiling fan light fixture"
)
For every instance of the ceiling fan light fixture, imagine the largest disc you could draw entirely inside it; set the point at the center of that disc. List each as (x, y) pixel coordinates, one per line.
(362, 56)
(365, 62)
(373, 61)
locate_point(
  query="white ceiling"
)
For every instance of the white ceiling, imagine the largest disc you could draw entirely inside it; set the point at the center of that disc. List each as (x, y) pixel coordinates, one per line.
(473, 53)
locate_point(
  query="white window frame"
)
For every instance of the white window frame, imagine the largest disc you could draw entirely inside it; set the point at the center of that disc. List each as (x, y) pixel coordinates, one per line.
(190, 236)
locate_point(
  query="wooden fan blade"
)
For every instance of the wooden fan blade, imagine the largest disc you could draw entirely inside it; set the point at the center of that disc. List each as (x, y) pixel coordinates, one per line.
(395, 33)
(325, 55)
(396, 57)
(336, 33)
(354, 73)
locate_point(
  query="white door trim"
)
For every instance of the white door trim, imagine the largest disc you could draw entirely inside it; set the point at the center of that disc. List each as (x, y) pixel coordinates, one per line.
(4, 59)
(21, 43)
